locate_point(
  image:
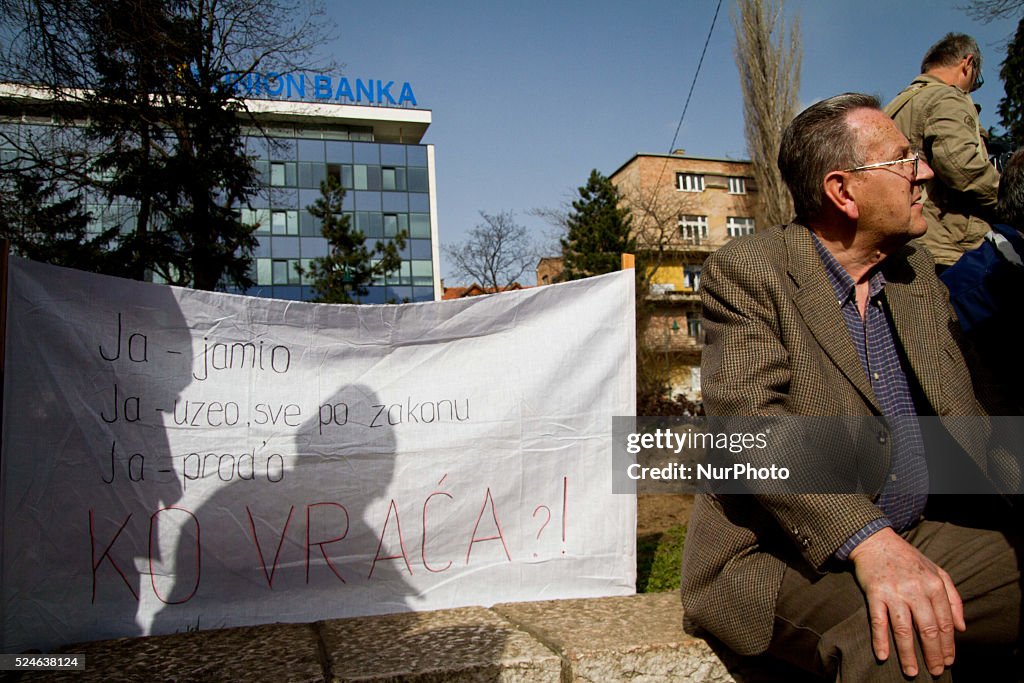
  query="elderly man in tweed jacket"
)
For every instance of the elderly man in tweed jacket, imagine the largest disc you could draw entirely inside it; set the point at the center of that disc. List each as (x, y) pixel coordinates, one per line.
(838, 315)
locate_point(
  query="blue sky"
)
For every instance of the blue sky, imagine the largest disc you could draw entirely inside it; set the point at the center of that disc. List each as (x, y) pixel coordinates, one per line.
(527, 97)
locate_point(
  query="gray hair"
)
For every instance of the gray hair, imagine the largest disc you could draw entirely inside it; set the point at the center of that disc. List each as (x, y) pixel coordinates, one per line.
(817, 142)
(950, 50)
(1011, 191)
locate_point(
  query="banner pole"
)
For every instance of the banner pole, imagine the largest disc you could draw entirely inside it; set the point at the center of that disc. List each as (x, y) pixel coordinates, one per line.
(628, 262)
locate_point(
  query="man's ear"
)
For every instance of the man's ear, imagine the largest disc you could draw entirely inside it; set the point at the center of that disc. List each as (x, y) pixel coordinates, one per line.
(967, 67)
(840, 195)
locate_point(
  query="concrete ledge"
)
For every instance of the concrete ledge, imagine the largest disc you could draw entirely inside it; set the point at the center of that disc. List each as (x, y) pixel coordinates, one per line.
(638, 638)
(467, 644)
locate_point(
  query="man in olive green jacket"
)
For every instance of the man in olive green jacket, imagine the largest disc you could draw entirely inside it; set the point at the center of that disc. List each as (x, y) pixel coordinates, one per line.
(850, 582)
(938, 116)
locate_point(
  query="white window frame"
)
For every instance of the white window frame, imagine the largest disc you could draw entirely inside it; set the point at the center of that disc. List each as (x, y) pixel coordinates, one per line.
(690, 182)
(737, 185)
(693, 228)
(738, 226)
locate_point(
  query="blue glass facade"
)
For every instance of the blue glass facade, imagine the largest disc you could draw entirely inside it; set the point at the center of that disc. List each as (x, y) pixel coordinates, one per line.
(373, 151)
(387, 191)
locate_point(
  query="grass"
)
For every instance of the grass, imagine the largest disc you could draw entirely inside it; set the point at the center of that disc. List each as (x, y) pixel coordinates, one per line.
(658, 558)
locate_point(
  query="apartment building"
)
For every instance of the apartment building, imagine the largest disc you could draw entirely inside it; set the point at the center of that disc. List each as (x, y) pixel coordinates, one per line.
(683, 209)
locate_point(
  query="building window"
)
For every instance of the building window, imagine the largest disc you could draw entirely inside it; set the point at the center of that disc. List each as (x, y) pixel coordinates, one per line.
(694, 229)
(737, 227)
(393, 179)
(283, 174)
(284, 271)
(693, 326)
(277, 175)
(342, 173)
(391, 224)
(737, 185)
(257, 217)
(690, 182)
(284, 222)
(422, 273)
(263, 272)
(691, 277)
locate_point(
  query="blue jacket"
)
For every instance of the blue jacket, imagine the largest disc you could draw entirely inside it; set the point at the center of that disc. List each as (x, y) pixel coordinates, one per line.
(988, 279)
(986, 288)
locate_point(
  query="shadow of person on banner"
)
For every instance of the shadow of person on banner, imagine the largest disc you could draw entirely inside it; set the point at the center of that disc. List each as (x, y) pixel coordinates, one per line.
(312, 536)
(97, 362)
(138, 469)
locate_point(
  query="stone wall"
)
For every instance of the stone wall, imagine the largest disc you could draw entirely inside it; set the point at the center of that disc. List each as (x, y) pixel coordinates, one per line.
(638, 638)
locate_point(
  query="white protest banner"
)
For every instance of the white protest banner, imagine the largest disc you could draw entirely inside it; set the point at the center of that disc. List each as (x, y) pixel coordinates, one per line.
(175, 459)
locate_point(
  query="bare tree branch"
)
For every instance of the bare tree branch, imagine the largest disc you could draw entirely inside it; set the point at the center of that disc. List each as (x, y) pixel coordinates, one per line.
(496, 253)
(157, 125)
(769, 66)
(990, 10)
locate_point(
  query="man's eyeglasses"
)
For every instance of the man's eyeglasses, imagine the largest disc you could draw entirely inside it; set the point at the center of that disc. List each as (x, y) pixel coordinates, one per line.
(978, 81)
(909, 160)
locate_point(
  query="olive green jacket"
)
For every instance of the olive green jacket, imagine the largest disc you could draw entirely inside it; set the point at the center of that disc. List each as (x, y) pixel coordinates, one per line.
(942, 121)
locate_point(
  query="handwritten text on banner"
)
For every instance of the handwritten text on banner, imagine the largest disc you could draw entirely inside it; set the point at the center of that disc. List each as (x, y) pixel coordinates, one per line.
(175, 459)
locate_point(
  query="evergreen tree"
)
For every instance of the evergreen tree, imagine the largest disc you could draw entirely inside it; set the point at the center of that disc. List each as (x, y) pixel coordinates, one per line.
(599, 230)
(343, 275)
(1011, 107)
(172, 141)
(154, 79)
(43, 227)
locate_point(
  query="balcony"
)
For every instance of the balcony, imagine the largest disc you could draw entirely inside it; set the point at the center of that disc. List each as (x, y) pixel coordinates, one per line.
(669, 294)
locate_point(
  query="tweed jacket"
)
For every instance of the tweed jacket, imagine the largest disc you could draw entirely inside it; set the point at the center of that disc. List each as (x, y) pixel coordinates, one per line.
(777, 345)
(941, 121)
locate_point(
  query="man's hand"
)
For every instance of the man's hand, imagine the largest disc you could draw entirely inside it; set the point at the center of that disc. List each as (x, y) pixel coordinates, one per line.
(907, 591)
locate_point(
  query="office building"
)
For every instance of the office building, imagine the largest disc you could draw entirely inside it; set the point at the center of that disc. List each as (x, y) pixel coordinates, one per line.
(361, 132)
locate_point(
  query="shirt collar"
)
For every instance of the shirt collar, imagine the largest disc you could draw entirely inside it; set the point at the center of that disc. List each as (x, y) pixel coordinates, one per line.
(842, 284)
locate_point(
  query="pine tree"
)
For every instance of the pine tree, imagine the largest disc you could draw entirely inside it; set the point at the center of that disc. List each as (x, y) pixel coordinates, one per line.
(171, 141)
(42, 226)
(1011, 107)
(343, 275)
(154, 80)
(599, 230)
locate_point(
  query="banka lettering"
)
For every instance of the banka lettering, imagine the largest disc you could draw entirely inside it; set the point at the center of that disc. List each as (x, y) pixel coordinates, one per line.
(303, 86)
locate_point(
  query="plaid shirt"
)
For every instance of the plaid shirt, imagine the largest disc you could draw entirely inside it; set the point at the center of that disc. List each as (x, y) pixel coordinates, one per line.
(905, 493)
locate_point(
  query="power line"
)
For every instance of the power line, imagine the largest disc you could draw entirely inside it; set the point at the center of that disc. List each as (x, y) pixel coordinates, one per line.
(700, 63)
(697, 73)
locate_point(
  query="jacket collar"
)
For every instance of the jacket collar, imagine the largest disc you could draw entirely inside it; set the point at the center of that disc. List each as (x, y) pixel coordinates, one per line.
(820, 309)
(927, 79)
(906, 294)
(915, 321)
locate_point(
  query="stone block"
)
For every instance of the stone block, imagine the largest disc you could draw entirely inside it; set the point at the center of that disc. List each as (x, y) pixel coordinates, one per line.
(462, 645)
(638, 638)
(273, 652)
